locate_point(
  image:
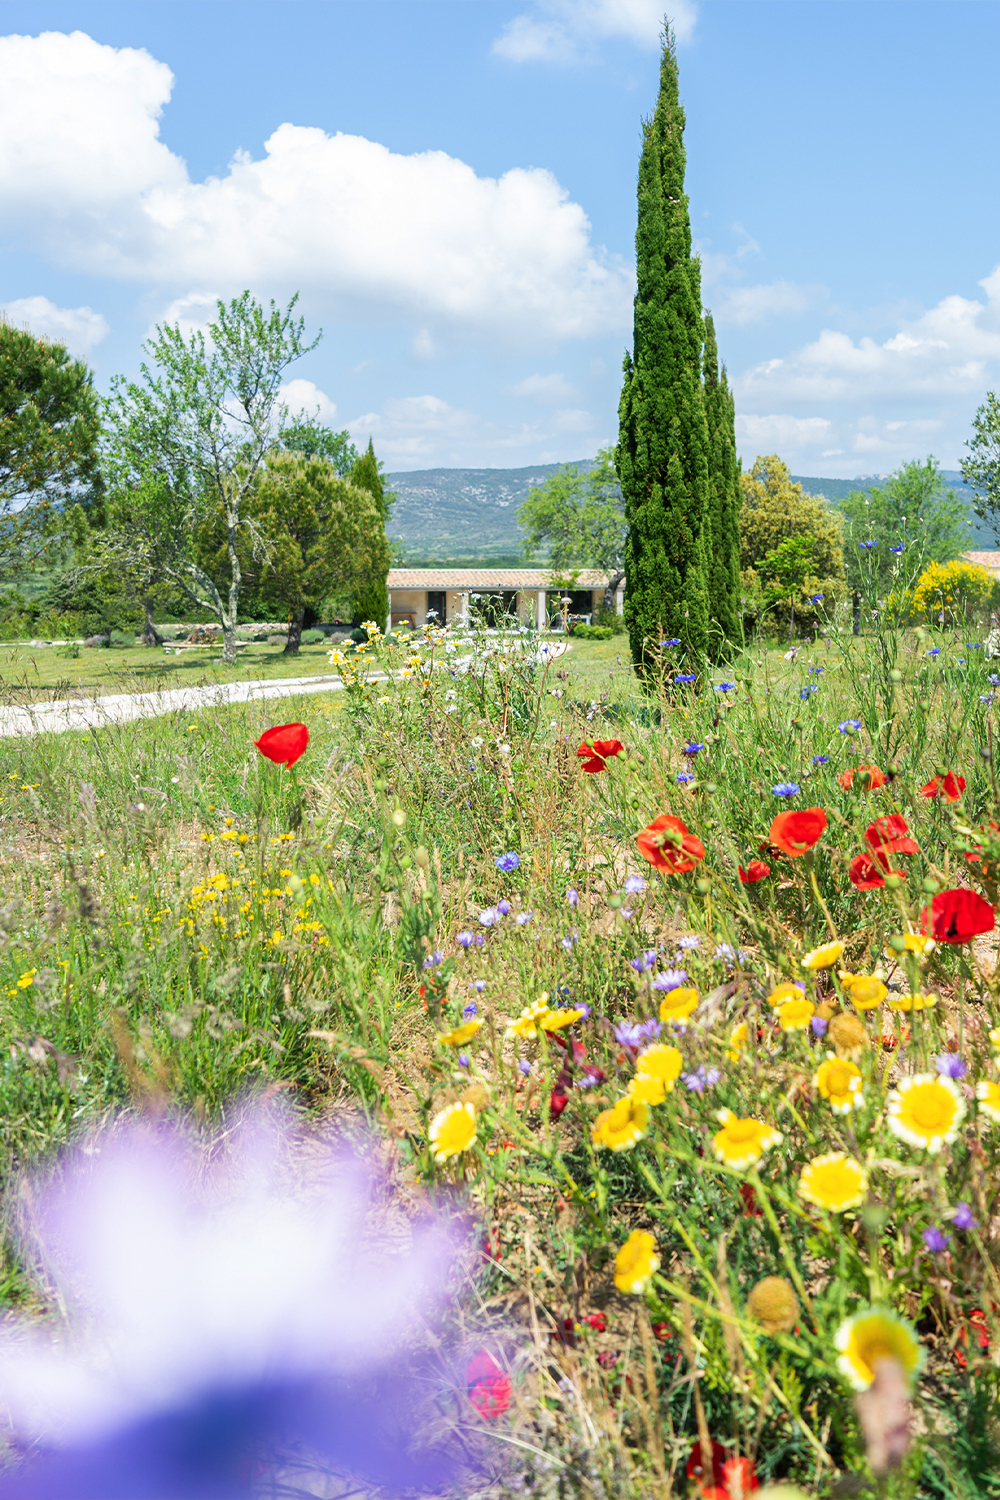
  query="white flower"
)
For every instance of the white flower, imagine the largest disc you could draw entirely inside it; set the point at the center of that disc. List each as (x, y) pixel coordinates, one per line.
(450, 695)
(476, 742)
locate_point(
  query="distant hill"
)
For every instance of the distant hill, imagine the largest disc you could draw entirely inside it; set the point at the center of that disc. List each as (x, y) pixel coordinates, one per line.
(469, 516)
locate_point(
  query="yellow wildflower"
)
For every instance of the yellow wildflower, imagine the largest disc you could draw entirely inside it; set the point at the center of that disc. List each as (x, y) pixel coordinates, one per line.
(795, 1015)
(459, 1035)
(657, 1069)
(912, 1002)
(839, 1081)
(824, 957)
(833, 1182)
(875, 1334)
(678, 1004)
(452, 1131)
(926, 1111)
(988, 1095)
(555, 1020)
(848, 1035)
(865, 991)
(636, 1262)
(623, 1126)
(741, 1143)
(737, 1041)
(784, 992)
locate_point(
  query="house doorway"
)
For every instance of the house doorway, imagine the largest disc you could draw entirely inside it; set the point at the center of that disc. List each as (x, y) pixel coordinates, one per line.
(437, 606)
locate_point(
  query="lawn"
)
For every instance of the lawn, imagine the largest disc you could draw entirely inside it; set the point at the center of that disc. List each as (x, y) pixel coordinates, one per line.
(719, 1100)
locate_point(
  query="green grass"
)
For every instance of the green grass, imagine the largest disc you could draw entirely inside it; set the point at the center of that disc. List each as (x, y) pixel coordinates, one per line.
(183, 923)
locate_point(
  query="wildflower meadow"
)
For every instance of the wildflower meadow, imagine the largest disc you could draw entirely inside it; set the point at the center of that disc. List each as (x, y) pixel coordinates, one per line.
(677, 1006)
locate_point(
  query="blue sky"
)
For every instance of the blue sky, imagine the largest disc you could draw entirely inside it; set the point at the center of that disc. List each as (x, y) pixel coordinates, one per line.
(450, 184)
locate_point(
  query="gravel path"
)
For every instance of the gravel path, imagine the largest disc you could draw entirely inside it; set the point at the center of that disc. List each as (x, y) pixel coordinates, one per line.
(119, 708)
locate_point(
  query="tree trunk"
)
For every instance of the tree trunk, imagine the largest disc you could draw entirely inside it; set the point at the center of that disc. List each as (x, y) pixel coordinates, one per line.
(856, 618)
(295, 623)
(611, 589)
(228, 643)
(791, 620)
(150, 635)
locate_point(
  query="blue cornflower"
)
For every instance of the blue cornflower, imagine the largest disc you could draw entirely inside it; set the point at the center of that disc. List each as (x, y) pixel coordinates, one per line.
(685, 677)
(973, 645)
(897, 550)
(692, 747)
(950, 1065)
(935, 1240)
(820, 760)
(961, 661)
(807, 691)
(934, 651)
(867, 546)
(674, 641)
(816, 599)
(470, 1010)
(684, 777)
(507, 862)
(817, 670)
(724, 687)
(849, 726)
(786, 789)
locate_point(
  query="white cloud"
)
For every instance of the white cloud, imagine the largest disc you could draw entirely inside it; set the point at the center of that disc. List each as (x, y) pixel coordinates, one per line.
(304, 396)
(754, 304)
(574, 420)
(554, 388)
(361, 230)
(777, 433)
(423, 432)
(79, 328)
(565, 31)
(946, 351)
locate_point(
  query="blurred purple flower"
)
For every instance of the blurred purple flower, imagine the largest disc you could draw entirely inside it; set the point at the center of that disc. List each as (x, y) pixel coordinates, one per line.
(691, 941)
(935, 1240)
(522, 918)
(670, 979)
(819, 1025)
(503, 908)
(726, 954)
(571, 896)
(701, 1079)
(962, 1217)
(634, 1033)
(524, 1066)
(950, 1065)
(507, 862)
(470, 1010)
(433, 959)
(626, 912)
(634, 885)
(569, 940)
(684, 777)
(480, 986)
(489, 916)
(464, 939)
(645, 961)
(463, 1059)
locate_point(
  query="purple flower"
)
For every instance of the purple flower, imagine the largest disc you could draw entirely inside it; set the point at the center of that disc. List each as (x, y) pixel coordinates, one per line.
(962, 1217)
(701, 1079)
(470, 1010)
(816, 599)
(723, 687)
(684, 777)
(950, 1065)
(569, 940)
(645, 961)
(524, 1066)
(480, 986)
(634, 1033)
(634, 885)
(819, 1025)
(817, 670)
(728, 955)
(896, 550)
(691, 941)
(626, 911)
(935, 1240)
(489, 916)
(849, 726)
(674, 641)
(670, 979)
(786, 789)
(503, 907)
(571, 896)
(522, 918)
(692, 747)
(934, 651)
(463, 1059)
(685, 677)
(507, 862)
(433, 959)
(464, 939)
(820, 760)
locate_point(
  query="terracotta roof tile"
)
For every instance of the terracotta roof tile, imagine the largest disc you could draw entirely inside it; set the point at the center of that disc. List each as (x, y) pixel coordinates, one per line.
(989, 560)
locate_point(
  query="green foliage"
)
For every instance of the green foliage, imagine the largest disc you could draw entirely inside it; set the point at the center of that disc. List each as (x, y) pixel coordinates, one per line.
(372, 596)
(187, 443)
(592, 632)
(981, 468)
(775, 510)
(954, 594)
(722, 531)
(662, 456)
(578, 516)
(915, 509)
(49, 425)
(310, 437)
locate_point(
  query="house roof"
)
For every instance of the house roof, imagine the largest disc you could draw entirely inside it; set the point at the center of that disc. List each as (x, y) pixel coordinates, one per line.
(988, 560)
(486, 578)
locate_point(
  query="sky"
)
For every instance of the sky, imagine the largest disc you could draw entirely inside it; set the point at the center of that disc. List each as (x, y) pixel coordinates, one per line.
(449, 185)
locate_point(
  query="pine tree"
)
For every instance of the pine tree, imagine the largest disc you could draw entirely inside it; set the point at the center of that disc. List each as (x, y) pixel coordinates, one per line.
(724, 557)
(372, 602)
(663, 447)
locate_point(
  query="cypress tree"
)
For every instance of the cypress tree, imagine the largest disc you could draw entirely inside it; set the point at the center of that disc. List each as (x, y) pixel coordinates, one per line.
(663, 449)
(724, 469)
(372, 602)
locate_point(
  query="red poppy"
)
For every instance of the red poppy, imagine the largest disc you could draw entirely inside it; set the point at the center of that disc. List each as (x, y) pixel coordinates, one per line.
(889, 835)
(283, 744)
(595, 755)
(597, 1321)
(950, 787)
(957, 916)
(794, 833)
(755, 870)
(739, 1477)
(866, 875)
(667, 845)
(876, 778)
(751, 1208)
(488, 1387)
(696, 1467)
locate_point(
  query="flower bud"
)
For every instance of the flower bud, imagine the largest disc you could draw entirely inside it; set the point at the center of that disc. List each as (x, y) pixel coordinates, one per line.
(421, 857)
(399, 818)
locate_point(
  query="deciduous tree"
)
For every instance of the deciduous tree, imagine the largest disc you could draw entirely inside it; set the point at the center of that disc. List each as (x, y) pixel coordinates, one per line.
(372, 598)
(981, 469)
(580, 515)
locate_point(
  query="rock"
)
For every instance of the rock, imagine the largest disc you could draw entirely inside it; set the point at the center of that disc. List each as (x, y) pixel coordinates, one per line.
(98, 640)
(204, 635)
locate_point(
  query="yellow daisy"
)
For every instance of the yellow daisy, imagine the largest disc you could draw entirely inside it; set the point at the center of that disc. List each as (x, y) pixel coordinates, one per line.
(917, 943)
(677, 1005)
(988, 1095)
(926, 1111)
(995, 1036)
(737, 1041)
(865, 991)
(623, 1126)
(912, 1002)
(877, 1333)
(834, 1182)
(636, 1262)
(647, 1088)
(660, 1062)
(452, 1131)
(795, 1015)
(555, 1020)
(460, 1035)
(526, 1025)
(823, 958)
(741, 1143)
(839, 1080)
(784, 992)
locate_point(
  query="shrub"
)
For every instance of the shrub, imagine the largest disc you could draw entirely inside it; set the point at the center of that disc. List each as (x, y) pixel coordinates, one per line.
(611, 620)
(592, 632)
(312, 637)
(949, 593)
